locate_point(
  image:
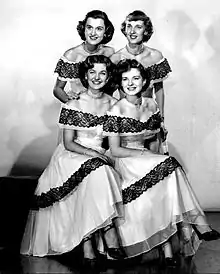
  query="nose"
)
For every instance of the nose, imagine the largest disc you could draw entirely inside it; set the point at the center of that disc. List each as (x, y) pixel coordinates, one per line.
(130, 82)
(132, 30)
(97, 76)
(93, 32)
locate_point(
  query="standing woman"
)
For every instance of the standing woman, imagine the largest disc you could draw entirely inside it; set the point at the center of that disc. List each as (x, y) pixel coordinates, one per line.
(95, 30)
(79, 192)
(157, 196)
(138, 29)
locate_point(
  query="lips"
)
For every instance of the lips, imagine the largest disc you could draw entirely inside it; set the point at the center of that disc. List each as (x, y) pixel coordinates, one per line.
(96, 82)
(93, 38)
(133, 36)
(131, 88)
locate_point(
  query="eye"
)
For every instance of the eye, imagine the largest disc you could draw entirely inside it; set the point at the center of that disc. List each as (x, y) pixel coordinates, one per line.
(124, 78)
(88, 27)
(103, 72)
(91, 71)
(137, 77)
(100, 28)
(139, 27)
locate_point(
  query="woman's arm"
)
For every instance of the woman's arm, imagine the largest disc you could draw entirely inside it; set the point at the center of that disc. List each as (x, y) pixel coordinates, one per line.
(59, 92)
(122, 152)
(68, 139)
(159, 93)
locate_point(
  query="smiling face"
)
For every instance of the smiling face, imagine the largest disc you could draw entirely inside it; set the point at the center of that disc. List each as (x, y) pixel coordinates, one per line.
(135, 31)
(97, 77)
(132, 82)
(94, 30)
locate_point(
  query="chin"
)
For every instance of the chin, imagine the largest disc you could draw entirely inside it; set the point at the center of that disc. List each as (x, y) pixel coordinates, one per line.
(94, 43)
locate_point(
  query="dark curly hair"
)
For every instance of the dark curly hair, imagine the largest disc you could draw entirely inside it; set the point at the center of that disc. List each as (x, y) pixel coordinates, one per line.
(109, 28)
(89, 62)
(139, 15)
(126, 65)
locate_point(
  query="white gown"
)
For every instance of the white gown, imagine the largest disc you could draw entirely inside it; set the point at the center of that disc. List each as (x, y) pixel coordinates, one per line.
(76, 195)
(156, 193)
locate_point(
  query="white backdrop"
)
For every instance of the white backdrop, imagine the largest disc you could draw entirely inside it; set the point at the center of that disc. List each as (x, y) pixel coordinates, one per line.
(34, 33)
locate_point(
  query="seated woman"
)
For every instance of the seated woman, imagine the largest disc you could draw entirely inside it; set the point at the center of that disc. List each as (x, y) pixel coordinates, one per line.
(156, 193)
(79, 192)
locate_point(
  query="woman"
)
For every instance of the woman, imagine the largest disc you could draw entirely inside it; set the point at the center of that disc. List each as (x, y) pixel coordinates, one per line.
(95, 30)
(138, 29)
(155, 190)
(79, 192)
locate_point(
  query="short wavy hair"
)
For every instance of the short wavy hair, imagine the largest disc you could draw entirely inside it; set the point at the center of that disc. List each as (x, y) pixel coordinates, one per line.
(109, 28)
(126, 65)
(89, 62)
(139, 15)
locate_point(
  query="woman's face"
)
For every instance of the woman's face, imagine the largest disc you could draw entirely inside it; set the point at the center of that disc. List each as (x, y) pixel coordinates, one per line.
(97, 76)
(132, 81)
(94, 30)
(135, 31)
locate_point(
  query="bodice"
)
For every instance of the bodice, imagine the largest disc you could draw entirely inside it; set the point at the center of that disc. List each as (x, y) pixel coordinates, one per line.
(88, 127)
(132, 132)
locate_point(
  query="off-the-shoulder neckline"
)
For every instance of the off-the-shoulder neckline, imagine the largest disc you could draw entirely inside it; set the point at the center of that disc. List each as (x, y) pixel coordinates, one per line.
(128, 117)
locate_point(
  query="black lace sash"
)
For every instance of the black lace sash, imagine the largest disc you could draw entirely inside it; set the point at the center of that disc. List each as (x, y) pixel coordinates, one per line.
(157, 174)
(57, 193)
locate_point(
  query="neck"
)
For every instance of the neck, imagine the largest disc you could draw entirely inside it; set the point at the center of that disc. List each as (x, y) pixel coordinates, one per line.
(91, 48)
(96, 94)
(135, 49)
(134, 99)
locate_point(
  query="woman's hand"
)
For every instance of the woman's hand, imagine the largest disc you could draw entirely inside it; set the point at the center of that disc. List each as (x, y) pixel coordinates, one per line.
(163, 132)
(74, 95)
(94, 153)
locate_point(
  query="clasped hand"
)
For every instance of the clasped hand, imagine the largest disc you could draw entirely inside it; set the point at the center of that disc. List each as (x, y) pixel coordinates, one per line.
(94, 153)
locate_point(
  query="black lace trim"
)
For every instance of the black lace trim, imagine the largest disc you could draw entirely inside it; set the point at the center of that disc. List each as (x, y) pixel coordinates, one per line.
(119, 124)
(77, 118)
(67, 70)
(161, 70)
(57, 193)
(157, 174)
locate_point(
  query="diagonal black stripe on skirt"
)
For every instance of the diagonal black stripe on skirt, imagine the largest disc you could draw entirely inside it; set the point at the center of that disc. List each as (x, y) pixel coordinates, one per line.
(157, 174)
(57, 193)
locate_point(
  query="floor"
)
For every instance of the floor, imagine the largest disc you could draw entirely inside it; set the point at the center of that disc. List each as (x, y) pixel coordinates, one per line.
(206, 260)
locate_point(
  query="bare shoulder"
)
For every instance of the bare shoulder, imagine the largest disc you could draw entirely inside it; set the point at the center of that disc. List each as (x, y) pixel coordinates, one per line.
(73, 104)
(108, 51)
(72, 53)
(116, 57)
(117, 107)
(156, 55)
(111, 100)
(151, 104)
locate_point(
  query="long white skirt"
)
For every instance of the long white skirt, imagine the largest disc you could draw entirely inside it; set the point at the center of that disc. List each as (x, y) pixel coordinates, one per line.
(92, 204)
(157, 196)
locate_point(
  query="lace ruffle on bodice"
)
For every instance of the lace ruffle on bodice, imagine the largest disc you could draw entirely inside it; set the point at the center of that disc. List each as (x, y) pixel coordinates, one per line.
(159, 71)
(76, 119)
(89, 127)
(126, 126)
(67, 70)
